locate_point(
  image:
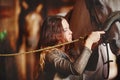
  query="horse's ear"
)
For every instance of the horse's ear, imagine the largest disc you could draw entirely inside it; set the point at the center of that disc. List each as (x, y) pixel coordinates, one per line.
(68, 15)
(39, 8)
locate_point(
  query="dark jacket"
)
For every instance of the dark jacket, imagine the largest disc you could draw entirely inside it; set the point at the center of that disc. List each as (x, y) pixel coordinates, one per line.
(58, 65)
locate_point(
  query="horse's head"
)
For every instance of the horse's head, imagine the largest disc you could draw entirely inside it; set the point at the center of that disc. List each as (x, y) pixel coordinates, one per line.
(91, 15)
(100, 11)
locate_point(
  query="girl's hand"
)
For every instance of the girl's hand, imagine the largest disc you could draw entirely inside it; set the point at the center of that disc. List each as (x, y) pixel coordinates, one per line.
(93, 38)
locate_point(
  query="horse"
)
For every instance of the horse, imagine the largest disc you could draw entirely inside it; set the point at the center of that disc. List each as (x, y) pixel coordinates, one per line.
(90, 15)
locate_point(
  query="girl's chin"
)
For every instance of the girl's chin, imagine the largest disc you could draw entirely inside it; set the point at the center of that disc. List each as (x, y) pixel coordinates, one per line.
(70, 40)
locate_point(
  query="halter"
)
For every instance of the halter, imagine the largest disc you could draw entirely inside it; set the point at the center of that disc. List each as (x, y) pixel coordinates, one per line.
(100, 25)
(115, 16)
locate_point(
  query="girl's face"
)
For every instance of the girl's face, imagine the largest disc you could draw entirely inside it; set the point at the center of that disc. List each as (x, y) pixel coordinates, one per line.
(67, 31)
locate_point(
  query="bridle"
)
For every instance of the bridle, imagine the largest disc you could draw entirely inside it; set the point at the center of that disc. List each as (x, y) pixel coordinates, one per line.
(115, 16)
(99, 24)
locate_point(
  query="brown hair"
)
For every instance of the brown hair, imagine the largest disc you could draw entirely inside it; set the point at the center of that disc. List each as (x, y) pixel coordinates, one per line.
(51, 34)
(51, 31)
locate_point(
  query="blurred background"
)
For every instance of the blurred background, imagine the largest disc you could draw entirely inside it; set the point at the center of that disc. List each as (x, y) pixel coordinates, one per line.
(11, 10)
(20, 22)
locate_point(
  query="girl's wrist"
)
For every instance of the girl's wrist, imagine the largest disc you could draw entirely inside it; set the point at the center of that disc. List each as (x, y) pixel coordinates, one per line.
(88, 43)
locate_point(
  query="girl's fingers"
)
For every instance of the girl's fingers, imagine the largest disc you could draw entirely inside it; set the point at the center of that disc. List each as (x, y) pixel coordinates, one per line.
(101, 32)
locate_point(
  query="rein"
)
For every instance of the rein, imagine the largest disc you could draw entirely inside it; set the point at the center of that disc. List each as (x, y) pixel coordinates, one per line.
(42, 49)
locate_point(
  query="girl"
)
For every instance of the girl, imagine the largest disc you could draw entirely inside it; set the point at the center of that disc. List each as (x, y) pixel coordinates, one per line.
(56, 63)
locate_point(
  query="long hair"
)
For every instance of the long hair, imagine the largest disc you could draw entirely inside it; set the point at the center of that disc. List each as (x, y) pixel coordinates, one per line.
(51, 34)
(51, 31)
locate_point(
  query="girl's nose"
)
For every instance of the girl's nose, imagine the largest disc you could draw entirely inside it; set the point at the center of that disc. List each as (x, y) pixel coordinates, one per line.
(70, 32)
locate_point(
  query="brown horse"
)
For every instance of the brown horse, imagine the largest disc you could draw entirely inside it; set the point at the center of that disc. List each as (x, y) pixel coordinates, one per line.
(88, 16)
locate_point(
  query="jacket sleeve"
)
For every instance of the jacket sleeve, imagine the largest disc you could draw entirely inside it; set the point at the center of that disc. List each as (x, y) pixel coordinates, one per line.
(65, 66)
(80, 64)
